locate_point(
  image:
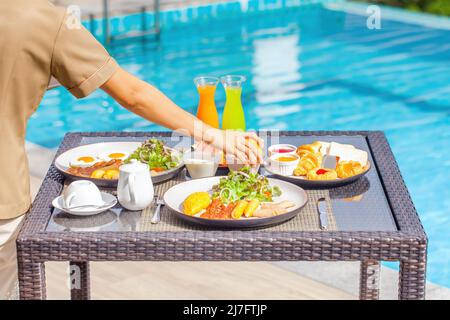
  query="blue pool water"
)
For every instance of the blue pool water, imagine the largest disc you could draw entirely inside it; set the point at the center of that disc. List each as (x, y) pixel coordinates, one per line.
(310, 67)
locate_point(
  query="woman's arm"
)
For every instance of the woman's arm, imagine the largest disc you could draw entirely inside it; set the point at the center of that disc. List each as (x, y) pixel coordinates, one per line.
(148, 102)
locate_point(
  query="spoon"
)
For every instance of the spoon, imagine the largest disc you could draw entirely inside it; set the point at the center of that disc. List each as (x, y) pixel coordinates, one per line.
(103, 206)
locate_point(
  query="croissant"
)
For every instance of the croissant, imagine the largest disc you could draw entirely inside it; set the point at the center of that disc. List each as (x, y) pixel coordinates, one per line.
(313, 147)
(322, 174)
(308, 161)
(347, 169)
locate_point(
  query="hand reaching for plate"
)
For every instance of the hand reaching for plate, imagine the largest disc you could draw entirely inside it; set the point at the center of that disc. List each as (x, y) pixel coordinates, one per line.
(245, 146)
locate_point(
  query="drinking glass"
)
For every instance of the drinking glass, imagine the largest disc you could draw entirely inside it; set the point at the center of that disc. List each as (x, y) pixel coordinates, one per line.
(207, 111)
(233, 114)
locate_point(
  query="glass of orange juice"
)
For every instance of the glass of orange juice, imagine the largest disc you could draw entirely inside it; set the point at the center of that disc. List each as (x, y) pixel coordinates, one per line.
(207, 111)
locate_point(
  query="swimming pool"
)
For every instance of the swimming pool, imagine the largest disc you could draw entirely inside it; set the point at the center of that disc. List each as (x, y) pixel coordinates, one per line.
(309, 67)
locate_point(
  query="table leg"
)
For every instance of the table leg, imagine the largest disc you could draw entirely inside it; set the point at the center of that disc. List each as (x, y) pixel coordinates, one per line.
(412, 280)
(79, 281)
(31, 280)
(369, 280)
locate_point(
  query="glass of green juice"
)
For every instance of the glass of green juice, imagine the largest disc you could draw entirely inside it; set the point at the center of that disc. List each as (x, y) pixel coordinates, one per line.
(233, 114)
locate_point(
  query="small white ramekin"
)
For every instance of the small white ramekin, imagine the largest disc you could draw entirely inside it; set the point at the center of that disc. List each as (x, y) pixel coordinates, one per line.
(235, 164)
(285, 168)
(271, 149)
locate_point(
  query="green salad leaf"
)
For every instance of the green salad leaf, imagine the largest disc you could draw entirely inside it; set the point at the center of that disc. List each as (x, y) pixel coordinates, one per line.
(245, 185)
(155, 154)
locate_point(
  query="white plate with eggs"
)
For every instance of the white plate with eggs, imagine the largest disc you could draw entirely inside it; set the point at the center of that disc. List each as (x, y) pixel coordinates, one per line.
(86, 156)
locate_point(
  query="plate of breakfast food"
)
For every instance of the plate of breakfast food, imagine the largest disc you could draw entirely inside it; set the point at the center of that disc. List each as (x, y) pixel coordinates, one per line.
(100, 162)
(242, 199)
(318, 164)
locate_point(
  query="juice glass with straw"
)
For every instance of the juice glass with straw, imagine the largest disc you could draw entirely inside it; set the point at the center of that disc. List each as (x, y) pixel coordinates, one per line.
(233, 114)
(207, 112)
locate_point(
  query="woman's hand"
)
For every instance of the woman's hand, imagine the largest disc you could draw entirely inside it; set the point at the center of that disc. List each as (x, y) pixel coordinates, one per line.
(245, 146)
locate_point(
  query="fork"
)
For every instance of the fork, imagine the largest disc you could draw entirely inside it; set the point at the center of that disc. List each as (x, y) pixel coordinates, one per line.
(157, 215)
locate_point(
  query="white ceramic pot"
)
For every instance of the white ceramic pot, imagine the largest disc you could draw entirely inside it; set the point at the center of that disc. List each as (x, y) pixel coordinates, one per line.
(135, 187)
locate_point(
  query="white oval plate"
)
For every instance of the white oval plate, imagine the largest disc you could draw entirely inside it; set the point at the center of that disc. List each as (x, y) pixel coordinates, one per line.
(62, 163)
(175, 196)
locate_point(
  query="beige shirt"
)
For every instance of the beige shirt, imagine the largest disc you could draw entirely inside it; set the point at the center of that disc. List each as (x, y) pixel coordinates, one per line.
(37, 41)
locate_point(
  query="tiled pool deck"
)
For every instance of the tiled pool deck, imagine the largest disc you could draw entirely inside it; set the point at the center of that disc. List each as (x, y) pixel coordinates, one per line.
(186, 280)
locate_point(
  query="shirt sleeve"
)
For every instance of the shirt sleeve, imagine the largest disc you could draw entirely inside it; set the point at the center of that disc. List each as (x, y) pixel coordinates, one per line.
(79, 62)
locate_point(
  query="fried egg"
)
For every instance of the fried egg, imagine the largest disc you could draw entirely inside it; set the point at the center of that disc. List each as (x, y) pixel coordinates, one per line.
(83, 161)
(114, 155)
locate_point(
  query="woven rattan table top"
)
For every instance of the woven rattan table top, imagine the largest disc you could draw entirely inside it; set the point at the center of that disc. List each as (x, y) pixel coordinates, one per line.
(373, 217)
(359, 206)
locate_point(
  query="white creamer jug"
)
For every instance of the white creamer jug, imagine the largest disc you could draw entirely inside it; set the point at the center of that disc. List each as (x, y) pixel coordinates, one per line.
(135, 188)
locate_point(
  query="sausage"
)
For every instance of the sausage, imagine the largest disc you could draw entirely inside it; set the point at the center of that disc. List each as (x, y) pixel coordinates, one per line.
(269, 212)
(263, 213)
(239, 209)
(251, 208)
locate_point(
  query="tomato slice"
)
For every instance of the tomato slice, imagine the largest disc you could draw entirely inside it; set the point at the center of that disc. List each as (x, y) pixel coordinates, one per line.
(321, 171)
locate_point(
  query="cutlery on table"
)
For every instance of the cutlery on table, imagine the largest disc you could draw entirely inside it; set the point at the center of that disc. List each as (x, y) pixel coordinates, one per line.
(157, 215)
(322, 208)
(329, 161)
(90, 206)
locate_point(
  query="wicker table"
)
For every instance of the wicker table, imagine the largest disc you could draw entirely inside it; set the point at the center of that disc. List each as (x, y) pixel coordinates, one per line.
(371, 220)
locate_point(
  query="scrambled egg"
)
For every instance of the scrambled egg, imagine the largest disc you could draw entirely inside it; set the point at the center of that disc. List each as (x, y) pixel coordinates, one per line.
(196, 202)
